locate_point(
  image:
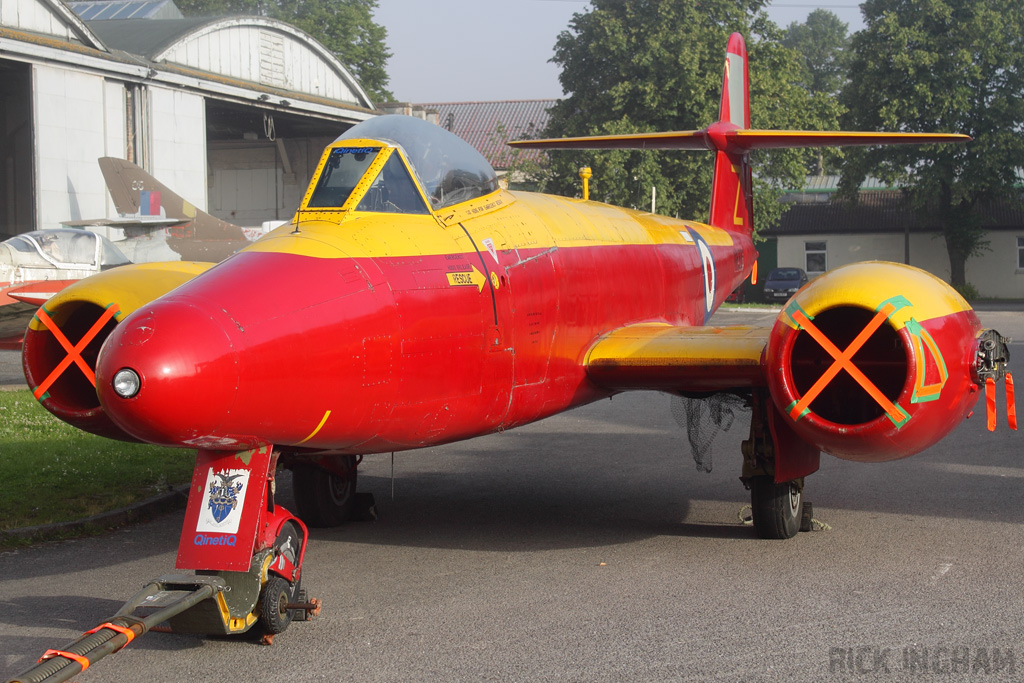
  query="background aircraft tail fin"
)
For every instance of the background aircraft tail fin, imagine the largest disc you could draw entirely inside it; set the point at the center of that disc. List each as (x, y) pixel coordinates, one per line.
(732, 192)
(136, 192)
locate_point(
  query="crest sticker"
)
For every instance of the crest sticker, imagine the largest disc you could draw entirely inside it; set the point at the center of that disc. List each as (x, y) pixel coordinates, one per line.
(223, 500)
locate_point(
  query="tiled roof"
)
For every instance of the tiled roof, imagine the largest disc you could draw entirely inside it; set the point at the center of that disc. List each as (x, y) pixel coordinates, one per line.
(881, 211)
(478, 123)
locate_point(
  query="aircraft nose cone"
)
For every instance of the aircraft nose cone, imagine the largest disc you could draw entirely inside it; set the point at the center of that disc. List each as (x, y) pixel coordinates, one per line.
(185, 374)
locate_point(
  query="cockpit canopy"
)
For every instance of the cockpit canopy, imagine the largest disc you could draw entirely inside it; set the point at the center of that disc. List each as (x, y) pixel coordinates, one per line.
(445, 167)
(61, 248)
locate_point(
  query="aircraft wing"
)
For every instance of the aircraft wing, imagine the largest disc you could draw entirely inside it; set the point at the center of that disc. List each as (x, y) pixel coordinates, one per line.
(19, 306)
(14, 317)
(133, 222)
(664, 357)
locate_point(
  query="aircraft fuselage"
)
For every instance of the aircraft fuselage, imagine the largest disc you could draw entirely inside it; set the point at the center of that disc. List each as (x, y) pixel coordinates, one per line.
(376, 332)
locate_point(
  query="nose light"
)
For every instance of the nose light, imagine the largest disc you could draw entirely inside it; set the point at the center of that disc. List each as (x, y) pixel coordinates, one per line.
(126, 383)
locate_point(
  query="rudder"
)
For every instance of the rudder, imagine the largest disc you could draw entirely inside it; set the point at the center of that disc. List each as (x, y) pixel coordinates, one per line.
(732, 196)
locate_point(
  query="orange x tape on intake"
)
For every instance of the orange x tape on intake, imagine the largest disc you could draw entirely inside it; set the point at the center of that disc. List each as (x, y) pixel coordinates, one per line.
(74, 352)
(843, 362)
(50, 654)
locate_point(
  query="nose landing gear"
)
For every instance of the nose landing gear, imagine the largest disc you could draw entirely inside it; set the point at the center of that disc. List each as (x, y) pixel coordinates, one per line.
(247, 556)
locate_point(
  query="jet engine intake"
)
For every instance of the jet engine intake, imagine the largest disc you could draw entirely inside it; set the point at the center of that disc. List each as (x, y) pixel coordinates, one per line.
(64, 339)
(874, 361)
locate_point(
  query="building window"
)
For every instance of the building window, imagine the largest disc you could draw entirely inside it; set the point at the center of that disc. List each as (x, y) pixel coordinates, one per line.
(1020, 253)
(815, 262)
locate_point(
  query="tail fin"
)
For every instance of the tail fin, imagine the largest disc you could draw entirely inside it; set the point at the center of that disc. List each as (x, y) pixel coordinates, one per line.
(732, 192)
(136, 192)
(731, 138)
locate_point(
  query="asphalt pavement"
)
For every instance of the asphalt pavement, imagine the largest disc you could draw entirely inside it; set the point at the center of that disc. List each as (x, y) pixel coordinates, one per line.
(588, 547)
(11, 375)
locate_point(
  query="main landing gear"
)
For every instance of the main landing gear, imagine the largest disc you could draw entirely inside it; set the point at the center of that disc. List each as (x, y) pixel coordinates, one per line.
(325, 489)
(775, 462)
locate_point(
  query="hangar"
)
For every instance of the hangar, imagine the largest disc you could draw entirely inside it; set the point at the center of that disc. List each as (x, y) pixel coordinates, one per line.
(232, 113)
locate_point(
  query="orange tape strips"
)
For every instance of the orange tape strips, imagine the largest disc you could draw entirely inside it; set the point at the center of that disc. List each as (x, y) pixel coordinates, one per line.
(1011, 406)
(753, 274)
(128, 633)
(74, 352)
(50, 654)
(990, 404)
(843, 362)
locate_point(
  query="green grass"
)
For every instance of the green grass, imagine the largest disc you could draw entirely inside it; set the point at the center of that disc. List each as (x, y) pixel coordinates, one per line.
(52, 472)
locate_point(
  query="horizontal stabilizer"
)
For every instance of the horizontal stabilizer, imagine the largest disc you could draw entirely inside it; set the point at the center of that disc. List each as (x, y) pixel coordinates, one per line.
(728, 138)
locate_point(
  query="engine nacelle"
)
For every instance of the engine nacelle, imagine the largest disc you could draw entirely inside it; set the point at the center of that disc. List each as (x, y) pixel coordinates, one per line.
(59, 367)
(874, 361)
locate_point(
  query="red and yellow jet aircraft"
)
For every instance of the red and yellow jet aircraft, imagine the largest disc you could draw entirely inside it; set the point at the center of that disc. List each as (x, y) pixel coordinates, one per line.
(411, 302)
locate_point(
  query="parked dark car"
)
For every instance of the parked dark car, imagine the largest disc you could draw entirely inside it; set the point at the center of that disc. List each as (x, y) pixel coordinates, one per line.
(782, 283)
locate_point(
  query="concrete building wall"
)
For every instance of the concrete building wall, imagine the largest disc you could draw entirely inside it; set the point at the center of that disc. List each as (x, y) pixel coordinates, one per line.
(115, 133)
(994, 274)
(997, 273)
(71, 133)
(178, 142)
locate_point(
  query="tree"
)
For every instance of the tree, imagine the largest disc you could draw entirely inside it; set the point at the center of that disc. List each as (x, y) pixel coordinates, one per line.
(822, 42)
(345, 27)
(656, 65)
(944, 66)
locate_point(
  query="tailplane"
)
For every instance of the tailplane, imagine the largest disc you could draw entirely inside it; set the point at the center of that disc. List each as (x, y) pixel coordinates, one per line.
(731, 138)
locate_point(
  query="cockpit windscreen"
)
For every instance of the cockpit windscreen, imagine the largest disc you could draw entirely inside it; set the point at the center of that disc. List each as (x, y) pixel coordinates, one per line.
(341, 173)
(448, 168)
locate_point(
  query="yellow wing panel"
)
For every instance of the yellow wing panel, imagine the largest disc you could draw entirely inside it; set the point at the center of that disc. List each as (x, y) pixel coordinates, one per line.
(666, 358)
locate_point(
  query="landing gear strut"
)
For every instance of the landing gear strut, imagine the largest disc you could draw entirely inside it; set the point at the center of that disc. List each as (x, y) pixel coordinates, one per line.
(325, 490)
(775, 462)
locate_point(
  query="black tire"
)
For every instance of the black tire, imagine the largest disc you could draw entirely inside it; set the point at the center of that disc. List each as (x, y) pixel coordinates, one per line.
(276, 594)
(322, 498)
(777, 509)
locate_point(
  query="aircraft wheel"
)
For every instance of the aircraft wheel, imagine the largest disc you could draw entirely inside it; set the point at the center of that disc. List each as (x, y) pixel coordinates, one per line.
(274, 598)
(322, 498)
(776, 508)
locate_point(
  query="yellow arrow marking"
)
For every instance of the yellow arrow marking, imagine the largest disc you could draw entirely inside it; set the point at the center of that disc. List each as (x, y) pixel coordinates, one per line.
(473, 278)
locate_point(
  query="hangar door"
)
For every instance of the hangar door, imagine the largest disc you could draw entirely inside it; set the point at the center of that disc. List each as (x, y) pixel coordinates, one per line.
(17, 206)
(260, 161)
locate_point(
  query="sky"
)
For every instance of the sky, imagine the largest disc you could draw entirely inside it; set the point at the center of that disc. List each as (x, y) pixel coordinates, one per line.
(480, 50)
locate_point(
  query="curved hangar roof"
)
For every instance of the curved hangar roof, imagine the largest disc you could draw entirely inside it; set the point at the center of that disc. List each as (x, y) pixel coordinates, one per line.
(252, 49)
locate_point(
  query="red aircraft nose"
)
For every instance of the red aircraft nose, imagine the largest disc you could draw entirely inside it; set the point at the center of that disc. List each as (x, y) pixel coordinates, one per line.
(168, 374)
